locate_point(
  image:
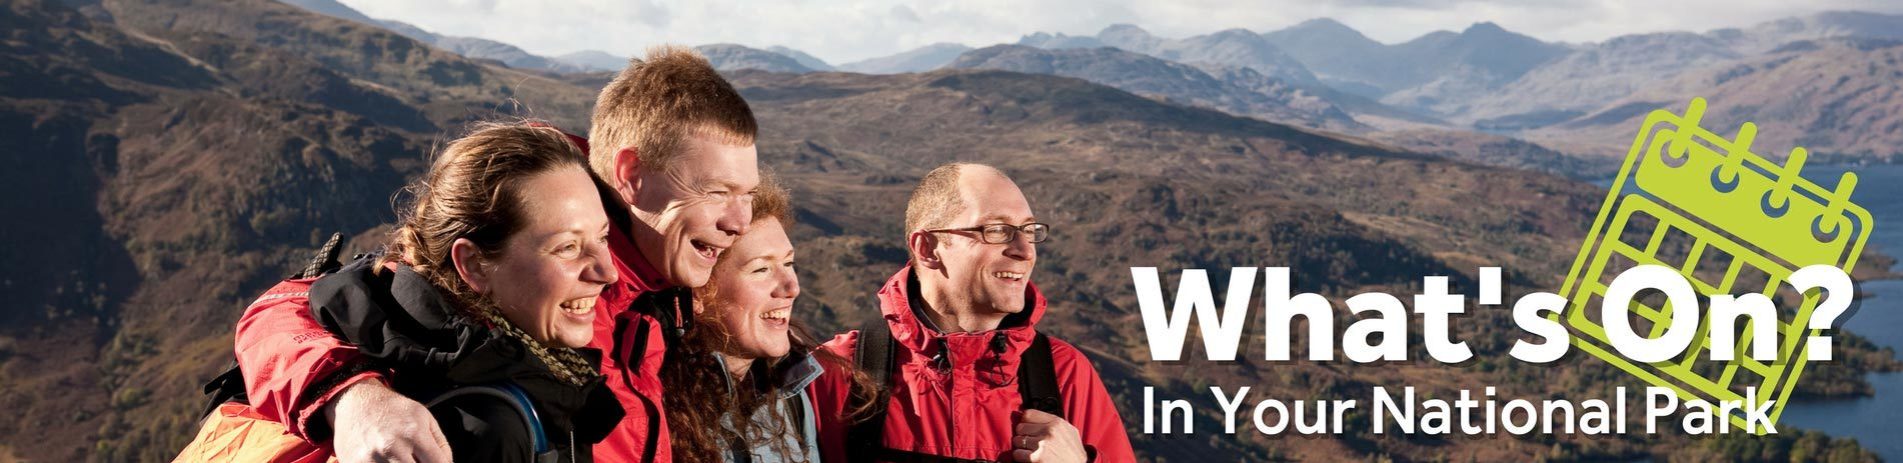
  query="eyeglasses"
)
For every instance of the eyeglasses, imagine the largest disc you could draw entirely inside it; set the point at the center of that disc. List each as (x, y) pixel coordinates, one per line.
(999, 233)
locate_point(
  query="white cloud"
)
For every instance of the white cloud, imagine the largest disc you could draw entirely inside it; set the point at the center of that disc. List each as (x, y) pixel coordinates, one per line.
(848, 30)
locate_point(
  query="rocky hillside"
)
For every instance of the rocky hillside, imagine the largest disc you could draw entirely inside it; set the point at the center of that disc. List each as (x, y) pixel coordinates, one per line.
(1588, 78)
(1839, 98)
(175, 158)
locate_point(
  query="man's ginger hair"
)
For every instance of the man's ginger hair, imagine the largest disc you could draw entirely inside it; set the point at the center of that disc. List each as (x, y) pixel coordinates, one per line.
(654, 104)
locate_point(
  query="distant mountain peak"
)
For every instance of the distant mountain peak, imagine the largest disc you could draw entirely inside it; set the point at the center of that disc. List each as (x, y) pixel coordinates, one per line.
(810, 61)
(919, 59)
(1488, 35)
(1323, 23)
(1440, 36)
(728, 56)
(1058, 40)
(1853, 15)
(594, 60)
(1323, 29)
(946, 46)
(1322, 33)
(1123, 29)
(1485, 27)
(1235, 34)
(1841, 22)
(332, 8)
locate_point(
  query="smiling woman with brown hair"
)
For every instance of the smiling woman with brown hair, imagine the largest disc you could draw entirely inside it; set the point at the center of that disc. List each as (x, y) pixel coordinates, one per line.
(484, 298)
(480, 305)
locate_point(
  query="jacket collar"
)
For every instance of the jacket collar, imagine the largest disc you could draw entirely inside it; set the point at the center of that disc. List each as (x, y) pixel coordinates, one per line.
(405, 321)
(637, 277)
(993, 354)
(793, 372)
(402, 321)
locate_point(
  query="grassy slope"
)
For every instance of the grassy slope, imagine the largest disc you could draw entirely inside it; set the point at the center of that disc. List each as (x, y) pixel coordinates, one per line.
(196, 146)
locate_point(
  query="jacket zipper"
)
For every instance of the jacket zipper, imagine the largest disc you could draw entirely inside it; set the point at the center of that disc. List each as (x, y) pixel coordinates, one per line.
(951, 389)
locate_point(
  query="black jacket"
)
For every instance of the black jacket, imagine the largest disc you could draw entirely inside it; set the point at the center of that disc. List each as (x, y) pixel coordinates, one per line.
(407, 327)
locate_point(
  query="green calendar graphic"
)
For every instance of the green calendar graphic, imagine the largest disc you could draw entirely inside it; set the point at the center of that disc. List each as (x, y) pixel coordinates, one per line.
(1730, 221)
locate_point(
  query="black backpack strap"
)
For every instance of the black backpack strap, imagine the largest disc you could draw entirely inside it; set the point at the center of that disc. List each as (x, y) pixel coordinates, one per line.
(541, 449)
(1037, 383)
(740, 451)
(631, 341)
(1037, 378)
(674, 309)
(874, 358)
(227, 387)
(630, 348)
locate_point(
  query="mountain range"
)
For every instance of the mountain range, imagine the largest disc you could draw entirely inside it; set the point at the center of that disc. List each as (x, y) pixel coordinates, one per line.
(1484, 79)
(1838, 97)
(1234, 47)
(1274, 100)
(1481, 79)
(1586, 98)
(467, 46)
(173, 159)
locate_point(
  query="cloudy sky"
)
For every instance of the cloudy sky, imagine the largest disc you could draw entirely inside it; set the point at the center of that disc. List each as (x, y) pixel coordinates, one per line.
(842, 31)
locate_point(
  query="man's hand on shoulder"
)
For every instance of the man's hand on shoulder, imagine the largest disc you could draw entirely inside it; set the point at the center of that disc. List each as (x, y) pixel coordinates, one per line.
(372, 423)
(1045, 438)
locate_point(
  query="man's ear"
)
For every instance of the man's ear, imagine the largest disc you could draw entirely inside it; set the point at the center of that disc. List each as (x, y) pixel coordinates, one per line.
(627, 174)
(468, 261)
(924, 249)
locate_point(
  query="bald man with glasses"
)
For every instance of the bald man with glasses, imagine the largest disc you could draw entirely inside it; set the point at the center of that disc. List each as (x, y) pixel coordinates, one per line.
(955, 370)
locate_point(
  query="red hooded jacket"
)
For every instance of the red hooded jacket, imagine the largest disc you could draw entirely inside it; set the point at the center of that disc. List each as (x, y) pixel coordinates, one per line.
(292, 366)
(975, 399)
